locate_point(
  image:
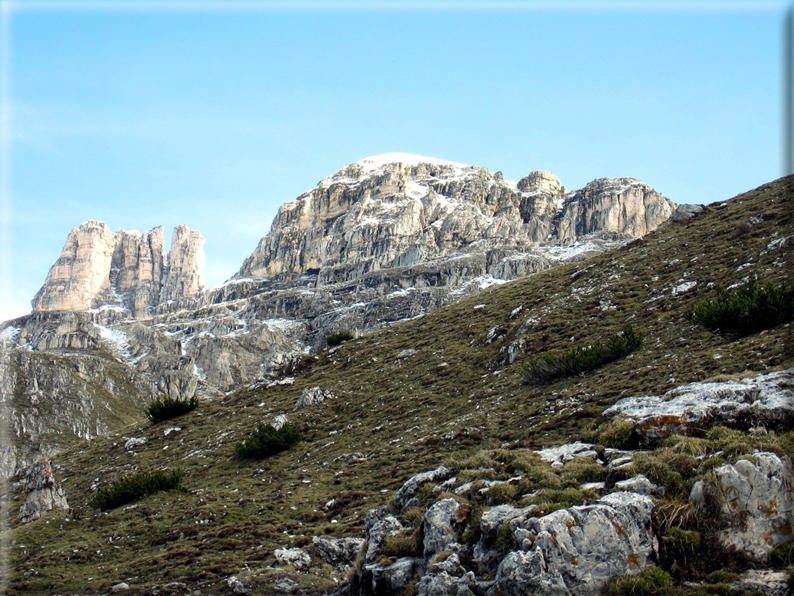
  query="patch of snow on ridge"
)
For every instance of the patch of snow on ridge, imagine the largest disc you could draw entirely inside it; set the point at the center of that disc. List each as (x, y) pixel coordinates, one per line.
(376, 161)
(9, 335)
(117, 339)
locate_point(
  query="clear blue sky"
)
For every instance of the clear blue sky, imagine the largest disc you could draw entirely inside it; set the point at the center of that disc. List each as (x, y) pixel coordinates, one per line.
(213, 115)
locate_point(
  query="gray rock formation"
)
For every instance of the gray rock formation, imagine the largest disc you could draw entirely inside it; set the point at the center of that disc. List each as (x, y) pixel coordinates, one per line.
(339, 553)
(400, 210)
(312, 396)
(757, 501)
(766, 400)
(577, 550)
(443, 522)
(42, 493)
(407, 491)
(124, 271)
(294, 557)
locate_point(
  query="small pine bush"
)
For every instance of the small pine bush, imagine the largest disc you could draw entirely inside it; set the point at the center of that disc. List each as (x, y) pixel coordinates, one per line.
(131, 488)
(747, 309)
(337, 338)
(266, 440)
(167, 407)
(558, 364)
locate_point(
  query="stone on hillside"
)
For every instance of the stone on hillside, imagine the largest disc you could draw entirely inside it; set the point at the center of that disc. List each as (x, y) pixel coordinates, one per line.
(42, 493)
(279, 421)
(561, 455)
(379, 526)
(388, 579)
(443, 521)
(446, 578)
(491, 523)
(686, 212)
(766, 581)
(408, 490)
(577, 550)
(311, 396)
(639, 484)
(120, 587)
(766, 400)
(134, 442)
(340, 553)
(758, 501)
(293, 557)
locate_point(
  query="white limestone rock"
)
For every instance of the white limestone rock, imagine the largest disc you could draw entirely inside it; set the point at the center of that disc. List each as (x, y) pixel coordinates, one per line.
(577, 550)
(409, 488)
(767, 399)
(340, 553)
(443, 522)
(294, 557)
(757, 502)
(312, 396)
(564, 453)
(379, 526)
(127, 271)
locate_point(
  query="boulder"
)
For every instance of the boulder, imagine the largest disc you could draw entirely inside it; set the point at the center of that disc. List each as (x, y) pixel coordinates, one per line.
(408, 490)
(379, 526)
(311, 396)
(294, 557)
(561, 455)
(340, 553)
(388, 579)
(757, 501)
(765, 400)
(443, 521)
(579, 549)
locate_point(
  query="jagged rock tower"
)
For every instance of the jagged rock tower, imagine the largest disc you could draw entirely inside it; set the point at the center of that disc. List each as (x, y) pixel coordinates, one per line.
(127, 271)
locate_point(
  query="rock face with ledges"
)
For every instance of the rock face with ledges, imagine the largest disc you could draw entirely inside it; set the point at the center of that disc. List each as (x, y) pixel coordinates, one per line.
(42, 493)
(398, 210)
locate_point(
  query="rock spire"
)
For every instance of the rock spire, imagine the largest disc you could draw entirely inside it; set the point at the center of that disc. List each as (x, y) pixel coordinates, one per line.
(126, 270)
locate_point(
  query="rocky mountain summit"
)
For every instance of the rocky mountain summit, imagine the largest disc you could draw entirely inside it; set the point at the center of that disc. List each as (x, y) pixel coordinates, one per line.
(400, 210)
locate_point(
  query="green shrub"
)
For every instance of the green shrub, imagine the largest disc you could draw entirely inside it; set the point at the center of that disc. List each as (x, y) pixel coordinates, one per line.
(167, 407)
(684, 542)
(652, 580)
(404, 544)
(747, 309)
(558, 364)
(266, 440)
(722, 576)
(126, 490)
(337, 338)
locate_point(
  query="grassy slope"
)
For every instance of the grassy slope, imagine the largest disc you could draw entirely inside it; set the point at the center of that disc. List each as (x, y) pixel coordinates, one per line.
(393, 418)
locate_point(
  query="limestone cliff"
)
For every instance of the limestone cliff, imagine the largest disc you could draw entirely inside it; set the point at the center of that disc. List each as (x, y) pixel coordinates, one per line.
(126, 271)
(397, 210)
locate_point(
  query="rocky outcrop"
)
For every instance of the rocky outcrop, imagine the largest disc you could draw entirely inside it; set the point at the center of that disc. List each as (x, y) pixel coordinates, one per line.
(399, 210)
(757, 497)
(577, 550)
(339, 553)
(42, 493)
(126, 271)
(762, 401)
(184, 276)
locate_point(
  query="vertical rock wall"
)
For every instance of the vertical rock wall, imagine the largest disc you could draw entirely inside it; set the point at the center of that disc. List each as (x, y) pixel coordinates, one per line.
(127, 270)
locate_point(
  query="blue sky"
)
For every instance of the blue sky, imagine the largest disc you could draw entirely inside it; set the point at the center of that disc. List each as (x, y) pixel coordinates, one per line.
(213, 114)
